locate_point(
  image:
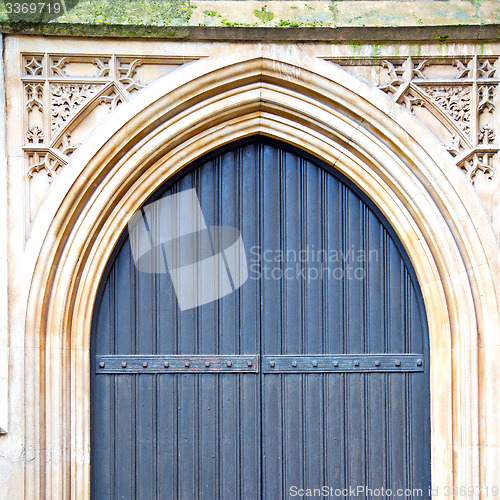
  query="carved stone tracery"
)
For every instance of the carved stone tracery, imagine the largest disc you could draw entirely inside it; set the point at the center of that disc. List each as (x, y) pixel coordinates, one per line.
(58, 65)
(486, 69)
(478, 162)
(33, 65)
(456, 92)
(66, 100)
(35, 135)
(455, 100)
(67, 91)
(463, 97)
(126, 75)
(486, 135)
(46, 160)
(486, 95)
(396, 72)
(34, 96)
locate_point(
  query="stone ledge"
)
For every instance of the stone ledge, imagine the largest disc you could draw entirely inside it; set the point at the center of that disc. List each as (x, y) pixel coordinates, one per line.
(446, 34)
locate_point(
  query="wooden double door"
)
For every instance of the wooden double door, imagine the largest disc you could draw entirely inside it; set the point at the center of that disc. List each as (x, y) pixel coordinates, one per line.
(312, 374)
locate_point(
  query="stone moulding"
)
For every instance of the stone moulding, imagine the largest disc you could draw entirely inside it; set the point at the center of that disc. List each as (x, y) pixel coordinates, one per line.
(329, 113)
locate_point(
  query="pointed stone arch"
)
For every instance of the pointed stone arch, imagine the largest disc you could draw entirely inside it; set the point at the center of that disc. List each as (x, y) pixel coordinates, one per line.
(316, 106)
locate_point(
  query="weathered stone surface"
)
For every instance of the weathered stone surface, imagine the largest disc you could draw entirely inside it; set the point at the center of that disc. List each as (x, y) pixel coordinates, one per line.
(281, 13)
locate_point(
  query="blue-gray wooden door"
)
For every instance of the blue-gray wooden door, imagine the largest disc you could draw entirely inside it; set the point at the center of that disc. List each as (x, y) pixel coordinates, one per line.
(337, 394)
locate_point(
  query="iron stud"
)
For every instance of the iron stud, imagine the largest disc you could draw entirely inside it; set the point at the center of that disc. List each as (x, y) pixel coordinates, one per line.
(419, 362)
(377, 363)
(315, 363)
(166, 364)
(356, 363)
(335, 363)
(249, 363)
(124, 364)
(294, 363)
(272, 364)
(186, 364)
(145, 364)
(229, 364)
(207, 363)
(102, 365)
(397, 362)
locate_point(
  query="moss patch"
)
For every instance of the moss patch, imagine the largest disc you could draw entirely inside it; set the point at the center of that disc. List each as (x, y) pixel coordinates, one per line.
(128, 12)
(263, 14)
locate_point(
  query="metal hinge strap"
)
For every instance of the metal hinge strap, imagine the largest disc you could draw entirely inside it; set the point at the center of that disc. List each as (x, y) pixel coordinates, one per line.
(177, 364)
(288, 363)
(343, 363)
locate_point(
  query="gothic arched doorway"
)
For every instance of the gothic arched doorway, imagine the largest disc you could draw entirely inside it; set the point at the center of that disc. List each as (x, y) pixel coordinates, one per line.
(311, 372)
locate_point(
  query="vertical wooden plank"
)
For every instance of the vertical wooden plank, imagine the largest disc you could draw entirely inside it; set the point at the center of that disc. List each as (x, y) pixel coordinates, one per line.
(354, 286)
(336, 431)
(250, 448)
(145, 427)
(125, 436)
(292, 406)
(419, 384)
(187, 420)
(311, 216)
(103, 456)
(187, 331)
(208, 343)
(397, 430)
(249, 217)
(397, 392)
(334, 244)
(229, 337)
(187, 385)
(355, 303)
(395, 274)
(124, 299)
(272, 442)
(249, 303)
(209, 445)
(420, 431)
(167, 437)
(166, 305)
(376, 396)
(271, 242)
(104, 342)
(142, 302)
(335, 304)
(291, 246)
(229, 437)
(208, 314)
